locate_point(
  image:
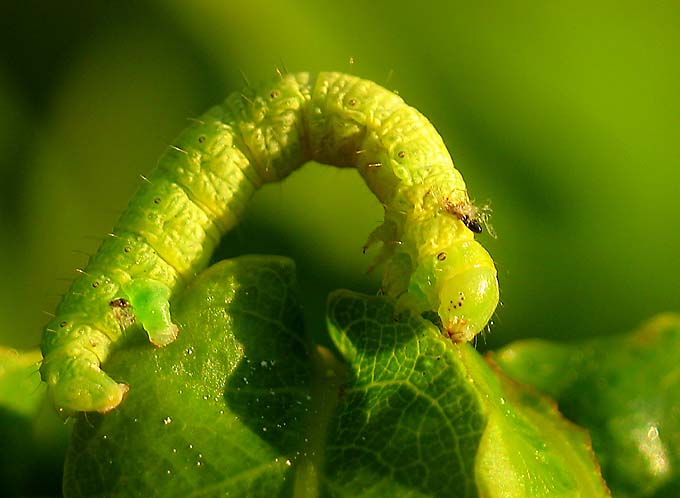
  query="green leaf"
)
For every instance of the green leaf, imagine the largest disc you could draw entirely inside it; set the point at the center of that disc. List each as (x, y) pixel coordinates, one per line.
(421, 416)
(243, 405)
(624, 389)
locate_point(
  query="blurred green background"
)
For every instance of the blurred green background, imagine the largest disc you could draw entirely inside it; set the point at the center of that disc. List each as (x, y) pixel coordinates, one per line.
(566, 117)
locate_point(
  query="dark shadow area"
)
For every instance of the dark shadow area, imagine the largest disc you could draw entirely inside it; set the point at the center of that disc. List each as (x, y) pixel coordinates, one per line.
(30, 462)
(270, 389)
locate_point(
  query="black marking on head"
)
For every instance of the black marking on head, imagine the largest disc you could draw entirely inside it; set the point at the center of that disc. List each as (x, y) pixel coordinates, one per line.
(441, 256)
(201, 139)
(274, 94)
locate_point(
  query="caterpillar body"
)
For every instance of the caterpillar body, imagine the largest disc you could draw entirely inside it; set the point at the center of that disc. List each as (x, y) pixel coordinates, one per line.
(202, 184)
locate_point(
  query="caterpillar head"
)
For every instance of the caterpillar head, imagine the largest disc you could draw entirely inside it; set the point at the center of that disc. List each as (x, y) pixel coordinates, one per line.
(467, 289)
(458, 282)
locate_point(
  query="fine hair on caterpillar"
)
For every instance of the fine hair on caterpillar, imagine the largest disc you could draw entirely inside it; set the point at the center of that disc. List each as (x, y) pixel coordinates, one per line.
(200, 189)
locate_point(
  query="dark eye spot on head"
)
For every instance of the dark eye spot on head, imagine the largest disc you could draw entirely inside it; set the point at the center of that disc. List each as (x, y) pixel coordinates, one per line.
(63, 324)
(472, 224)
(95, 284)
(441, 256)
(352, 102)
(274, 94)
(201, 139)
(157, 200)
(401, 154)
(127, 249)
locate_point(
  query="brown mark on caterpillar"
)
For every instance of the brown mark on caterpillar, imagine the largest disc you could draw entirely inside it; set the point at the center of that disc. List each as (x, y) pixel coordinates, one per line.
(122, 311)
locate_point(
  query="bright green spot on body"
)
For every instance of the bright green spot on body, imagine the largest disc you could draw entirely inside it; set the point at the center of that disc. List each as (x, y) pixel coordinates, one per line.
(149, 298)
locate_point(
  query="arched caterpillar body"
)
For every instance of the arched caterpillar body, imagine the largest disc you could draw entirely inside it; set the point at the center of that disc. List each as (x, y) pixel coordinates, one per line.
(199, 191)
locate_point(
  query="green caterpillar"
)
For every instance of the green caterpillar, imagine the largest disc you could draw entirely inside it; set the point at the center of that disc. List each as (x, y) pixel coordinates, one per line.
(200, 189)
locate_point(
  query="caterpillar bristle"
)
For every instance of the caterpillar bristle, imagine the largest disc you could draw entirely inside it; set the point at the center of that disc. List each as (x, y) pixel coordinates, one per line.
(388, 78)
(174, 147)
(246, 98)
(281, 72)
(244, 77)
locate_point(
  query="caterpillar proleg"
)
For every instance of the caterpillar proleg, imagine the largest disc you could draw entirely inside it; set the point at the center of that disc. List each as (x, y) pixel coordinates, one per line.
(199, 191)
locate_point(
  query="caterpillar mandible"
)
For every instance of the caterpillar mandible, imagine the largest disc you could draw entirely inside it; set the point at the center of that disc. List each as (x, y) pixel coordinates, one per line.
(199, 191)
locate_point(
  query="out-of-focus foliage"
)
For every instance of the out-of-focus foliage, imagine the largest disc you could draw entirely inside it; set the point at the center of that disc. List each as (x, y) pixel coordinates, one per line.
(624, 389)
(565, 116)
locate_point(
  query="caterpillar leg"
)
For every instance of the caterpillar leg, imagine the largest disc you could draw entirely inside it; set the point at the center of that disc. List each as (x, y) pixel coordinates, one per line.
(149, 298)
(385, 234)
(76, 383)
